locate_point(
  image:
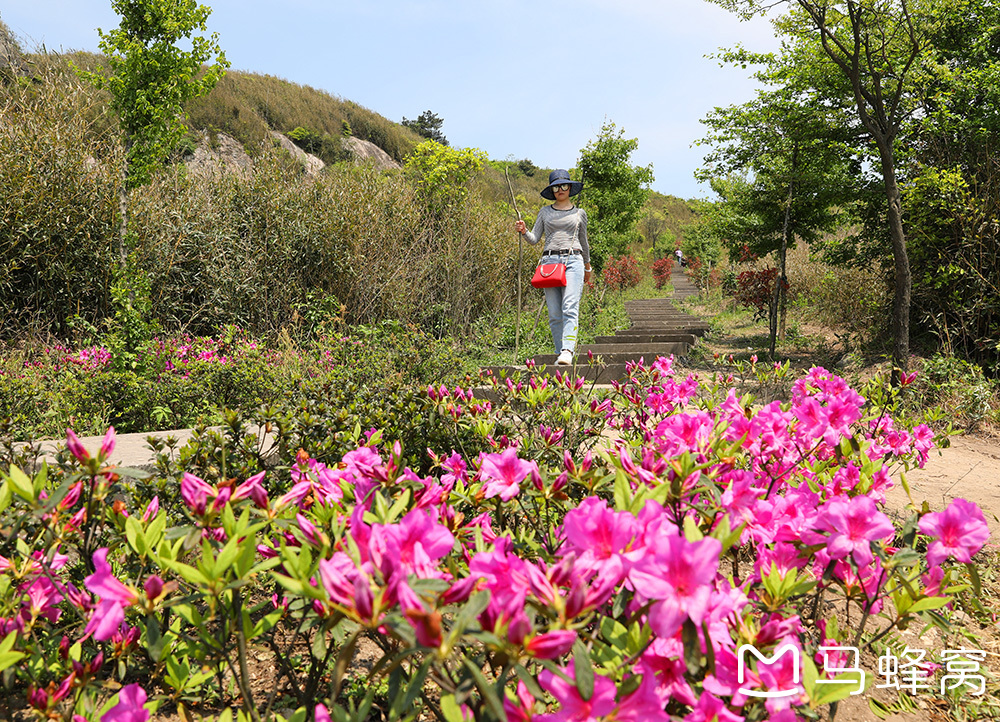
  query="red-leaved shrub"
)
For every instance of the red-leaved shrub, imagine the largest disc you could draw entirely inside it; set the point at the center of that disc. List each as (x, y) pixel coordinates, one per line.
(621, 273)
(661, 271)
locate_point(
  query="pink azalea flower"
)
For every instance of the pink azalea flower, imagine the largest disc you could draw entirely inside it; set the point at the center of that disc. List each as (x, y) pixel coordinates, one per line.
(107, 444)
(853, 524)
(253, 489)
(663, 661)
(504, 473)
(597, 533)
(414, 545)
(551, 645)
(572, 707)
(76, 447)
(195, 492)
(152, 509)
(103, 584)
(678, 575)
(711, 709)
(114, 597)
(130, 707)
(959, 532)
(521, 710)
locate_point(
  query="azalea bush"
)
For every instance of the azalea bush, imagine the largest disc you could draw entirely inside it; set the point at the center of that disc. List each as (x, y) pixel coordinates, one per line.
(661, 271)
(621, 273)
(755, 290)
(607, 563)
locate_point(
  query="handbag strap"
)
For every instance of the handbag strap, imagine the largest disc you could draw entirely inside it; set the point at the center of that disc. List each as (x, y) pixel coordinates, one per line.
(541, 269)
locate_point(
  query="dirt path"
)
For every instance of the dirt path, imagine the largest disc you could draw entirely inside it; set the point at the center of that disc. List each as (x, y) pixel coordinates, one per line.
(969, 469)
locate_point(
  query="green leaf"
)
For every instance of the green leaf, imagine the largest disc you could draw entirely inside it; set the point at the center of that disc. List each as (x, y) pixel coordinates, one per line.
(623, 492)
(21, 484)
(614, 632)
(485, 689)
(529, 681)
(928, 603)
(135, 536)
(583, 670)
(7, 657)
(450, 709)
(467, 617)
(6, 495)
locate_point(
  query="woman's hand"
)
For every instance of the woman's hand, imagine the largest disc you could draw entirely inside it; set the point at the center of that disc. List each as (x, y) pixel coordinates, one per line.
(588, 273)
(520, 227)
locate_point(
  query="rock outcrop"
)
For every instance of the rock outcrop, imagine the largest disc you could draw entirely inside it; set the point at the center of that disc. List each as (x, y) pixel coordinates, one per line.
(367, 152)
(225, 154)
(11, 58)
(311, 165)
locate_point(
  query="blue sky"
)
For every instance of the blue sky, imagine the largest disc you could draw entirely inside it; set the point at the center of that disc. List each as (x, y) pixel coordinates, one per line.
(517, 79)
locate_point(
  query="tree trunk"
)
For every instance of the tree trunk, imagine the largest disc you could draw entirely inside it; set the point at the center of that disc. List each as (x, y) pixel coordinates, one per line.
(778, 302)
(901, 263)
(123, 207)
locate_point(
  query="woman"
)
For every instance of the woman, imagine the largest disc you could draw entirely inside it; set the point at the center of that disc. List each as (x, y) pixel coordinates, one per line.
(565, 229)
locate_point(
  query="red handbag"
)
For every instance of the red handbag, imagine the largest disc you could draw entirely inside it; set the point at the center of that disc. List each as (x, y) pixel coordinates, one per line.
(549, 275)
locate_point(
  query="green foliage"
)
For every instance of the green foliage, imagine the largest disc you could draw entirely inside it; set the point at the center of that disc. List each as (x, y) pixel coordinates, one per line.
(428, 125)
(954, 236)
(130, 330)
(614, 192)
(956, 387)
(700, 239)
(150, 78)
(527, 167)
(442, 174)
(328, 148)
(57, 204)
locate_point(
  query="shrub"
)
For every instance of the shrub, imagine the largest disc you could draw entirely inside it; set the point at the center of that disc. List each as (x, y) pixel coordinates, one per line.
(535, 578)
(966, 397)
(621, 273)
(661, 271)
(755, 290)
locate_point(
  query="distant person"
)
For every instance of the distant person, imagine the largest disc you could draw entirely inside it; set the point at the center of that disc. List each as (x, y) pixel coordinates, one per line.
(680, 257)
(564, 226)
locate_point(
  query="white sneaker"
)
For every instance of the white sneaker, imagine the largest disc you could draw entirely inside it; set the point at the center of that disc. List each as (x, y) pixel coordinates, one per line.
(565, 359)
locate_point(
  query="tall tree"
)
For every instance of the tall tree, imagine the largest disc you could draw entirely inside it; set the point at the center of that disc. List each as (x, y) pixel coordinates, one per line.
(780, 164)
(614, 192)
(873, 47)
(428, 124)
(149, 79)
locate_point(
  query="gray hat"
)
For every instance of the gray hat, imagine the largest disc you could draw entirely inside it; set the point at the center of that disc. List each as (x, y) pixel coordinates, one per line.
(558, 177)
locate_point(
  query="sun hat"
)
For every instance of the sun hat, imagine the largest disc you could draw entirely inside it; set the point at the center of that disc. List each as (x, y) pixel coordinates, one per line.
(558, 177)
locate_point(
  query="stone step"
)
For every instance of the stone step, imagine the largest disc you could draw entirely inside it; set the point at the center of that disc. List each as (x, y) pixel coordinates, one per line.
(643, 331)
(643, 317)
(623, 354)
(597, 374)
(649, 338)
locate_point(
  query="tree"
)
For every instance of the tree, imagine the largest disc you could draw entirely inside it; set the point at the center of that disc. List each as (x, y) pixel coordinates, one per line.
(149, 79)
(780, 167)
(428, 125)
(614, 192)
(442, 174)
(868, 51)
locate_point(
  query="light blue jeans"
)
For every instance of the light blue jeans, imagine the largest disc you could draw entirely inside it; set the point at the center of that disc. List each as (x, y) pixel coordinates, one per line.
(564, 303)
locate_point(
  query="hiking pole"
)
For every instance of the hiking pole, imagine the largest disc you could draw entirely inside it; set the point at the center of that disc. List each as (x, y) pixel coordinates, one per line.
(520, 251)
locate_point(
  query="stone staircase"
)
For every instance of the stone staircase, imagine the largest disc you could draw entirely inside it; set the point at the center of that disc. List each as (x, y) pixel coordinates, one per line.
(658, 329)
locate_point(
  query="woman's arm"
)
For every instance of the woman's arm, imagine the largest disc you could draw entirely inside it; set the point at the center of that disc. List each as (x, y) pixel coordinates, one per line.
(584, 243)
(535, 234)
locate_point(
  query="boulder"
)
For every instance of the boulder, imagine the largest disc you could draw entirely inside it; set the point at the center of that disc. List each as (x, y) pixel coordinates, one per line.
(311, 165)
(226, 154)
(11, 58)
(366, 152)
